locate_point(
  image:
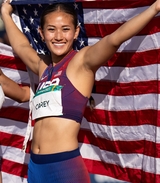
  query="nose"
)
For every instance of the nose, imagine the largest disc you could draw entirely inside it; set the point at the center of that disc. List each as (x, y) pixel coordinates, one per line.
(58, 35)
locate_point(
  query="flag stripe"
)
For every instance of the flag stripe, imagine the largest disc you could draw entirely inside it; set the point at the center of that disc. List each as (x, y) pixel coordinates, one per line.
(118, 159)
(145, 117)
(18, 170)
(11, 178)
(11, 62)
(15, 113)
(132, 88)
(16, 140)
(102, 29)
(125, 174)
(119, 146)
(15, 154)
(125, 132)
(127, 103)
(114, 4)
(12, 127)
(109, 16)
(126, 75)
(134, 59)
(137, 43)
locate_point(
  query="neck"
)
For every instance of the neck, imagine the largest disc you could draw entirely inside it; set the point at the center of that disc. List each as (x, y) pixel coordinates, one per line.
(56, 59)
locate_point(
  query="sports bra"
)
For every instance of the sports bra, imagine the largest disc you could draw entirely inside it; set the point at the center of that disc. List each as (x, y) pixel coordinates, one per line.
(56, 96)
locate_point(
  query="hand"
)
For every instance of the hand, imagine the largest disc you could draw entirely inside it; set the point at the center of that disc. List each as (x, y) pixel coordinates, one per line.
(157, 5)
(6, 7)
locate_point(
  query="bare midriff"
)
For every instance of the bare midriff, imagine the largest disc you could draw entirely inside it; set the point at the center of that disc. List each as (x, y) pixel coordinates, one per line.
(53, 135)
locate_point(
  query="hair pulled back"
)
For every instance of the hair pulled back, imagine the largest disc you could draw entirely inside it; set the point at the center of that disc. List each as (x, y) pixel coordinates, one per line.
(64, 7)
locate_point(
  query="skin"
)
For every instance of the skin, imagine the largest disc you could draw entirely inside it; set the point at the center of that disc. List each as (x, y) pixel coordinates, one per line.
(53, 134)
(19, 94)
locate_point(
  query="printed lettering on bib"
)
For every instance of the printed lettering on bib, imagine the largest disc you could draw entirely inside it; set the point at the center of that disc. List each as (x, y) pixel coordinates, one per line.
(47, 102)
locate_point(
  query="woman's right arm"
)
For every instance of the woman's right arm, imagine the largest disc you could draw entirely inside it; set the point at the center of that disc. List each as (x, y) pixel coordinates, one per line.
(18, 40)
(12, 90)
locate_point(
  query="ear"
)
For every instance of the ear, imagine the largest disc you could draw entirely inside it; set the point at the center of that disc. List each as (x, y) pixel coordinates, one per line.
(41, 33)
(77, 32)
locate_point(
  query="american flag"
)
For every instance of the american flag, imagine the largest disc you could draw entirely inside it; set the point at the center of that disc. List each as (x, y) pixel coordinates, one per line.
(120, 138)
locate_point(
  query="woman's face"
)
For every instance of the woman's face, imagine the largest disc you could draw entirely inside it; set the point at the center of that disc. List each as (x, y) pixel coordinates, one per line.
(59, 33)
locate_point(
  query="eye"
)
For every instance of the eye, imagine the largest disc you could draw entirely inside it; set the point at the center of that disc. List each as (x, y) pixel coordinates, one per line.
(51, 29)
(65, 29)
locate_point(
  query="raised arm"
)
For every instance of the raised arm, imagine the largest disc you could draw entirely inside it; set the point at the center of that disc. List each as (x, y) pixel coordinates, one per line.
(18, 40)
(12, 90)
(99, 53)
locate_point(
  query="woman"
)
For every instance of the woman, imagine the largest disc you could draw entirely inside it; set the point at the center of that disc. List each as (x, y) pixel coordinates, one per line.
(66, 78)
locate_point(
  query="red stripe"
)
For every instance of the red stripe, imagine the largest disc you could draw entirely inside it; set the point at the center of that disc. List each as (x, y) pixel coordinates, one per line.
(15, 113)
(122, 118)
(12, 62)
(115, 4)
(124, 89)
(135, 59)
(13, 140)
(125, 174)
(101, 30)
(145, 147)
(14, 168)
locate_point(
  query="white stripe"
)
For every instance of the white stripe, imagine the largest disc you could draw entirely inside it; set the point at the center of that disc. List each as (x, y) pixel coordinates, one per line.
(127, 103)
(16, 19)
(129, 74)
(111, 16)
(136, 43)
(13, 127)
(102, 179)
(8, 178)
(124, 133)
(15, 155)
(6, 50)
(135, 161)
(16, 75)
(9, 102)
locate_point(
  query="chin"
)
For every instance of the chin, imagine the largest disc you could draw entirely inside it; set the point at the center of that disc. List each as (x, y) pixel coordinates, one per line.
(61, 53)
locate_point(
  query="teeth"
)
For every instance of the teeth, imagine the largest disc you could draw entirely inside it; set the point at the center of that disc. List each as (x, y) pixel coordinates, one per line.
(59, 44)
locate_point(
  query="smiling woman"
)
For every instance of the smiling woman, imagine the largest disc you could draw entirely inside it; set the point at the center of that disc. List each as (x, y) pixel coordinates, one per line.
(59, 37)
(58, 107)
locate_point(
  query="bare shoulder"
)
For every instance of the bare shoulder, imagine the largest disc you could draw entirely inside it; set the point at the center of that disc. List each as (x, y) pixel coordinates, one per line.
(77, 66)
(79, 74)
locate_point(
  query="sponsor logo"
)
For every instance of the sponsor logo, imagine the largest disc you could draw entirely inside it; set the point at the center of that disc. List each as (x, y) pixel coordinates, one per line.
(46, 84)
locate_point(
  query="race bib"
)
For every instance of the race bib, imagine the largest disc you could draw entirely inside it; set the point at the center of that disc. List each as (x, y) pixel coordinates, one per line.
(47, 102)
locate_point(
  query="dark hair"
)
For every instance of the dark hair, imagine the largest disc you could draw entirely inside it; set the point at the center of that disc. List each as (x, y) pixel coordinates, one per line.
(65, 7)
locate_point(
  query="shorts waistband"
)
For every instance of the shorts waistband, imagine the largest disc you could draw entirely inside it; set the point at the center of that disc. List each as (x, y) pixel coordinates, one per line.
(57, 157)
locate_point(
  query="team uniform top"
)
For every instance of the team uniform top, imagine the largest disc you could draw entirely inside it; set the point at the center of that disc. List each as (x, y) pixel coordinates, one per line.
(56, 96)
